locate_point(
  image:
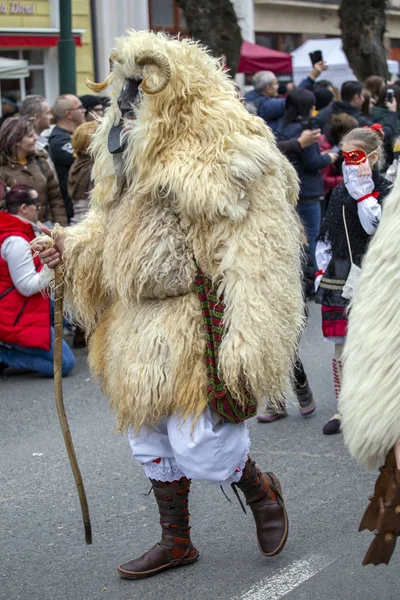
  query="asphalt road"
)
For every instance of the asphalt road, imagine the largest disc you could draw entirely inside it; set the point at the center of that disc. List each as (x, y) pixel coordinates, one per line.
(43, 555)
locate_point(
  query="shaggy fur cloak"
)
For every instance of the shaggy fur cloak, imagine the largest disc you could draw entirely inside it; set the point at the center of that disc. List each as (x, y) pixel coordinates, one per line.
(205, 184)
(370, 396)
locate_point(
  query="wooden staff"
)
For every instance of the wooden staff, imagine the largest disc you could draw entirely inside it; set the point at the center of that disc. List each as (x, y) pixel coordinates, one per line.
(58, 330)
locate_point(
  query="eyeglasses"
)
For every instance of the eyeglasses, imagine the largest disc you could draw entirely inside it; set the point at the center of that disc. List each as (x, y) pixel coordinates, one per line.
(34, 203)
(31, 203)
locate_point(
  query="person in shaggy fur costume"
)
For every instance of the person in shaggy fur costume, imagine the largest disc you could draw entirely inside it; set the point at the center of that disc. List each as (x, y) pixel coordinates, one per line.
(185, 274)
(369, 399)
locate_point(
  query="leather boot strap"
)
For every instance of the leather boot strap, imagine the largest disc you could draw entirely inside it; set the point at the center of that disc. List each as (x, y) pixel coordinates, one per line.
(172, 503)
(253, 487)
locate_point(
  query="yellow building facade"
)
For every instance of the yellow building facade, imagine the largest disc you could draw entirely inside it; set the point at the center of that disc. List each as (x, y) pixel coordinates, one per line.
(30, 31)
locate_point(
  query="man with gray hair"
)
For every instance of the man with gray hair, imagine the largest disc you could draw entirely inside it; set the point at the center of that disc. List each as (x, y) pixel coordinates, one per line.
(264, 101)
(69, 113)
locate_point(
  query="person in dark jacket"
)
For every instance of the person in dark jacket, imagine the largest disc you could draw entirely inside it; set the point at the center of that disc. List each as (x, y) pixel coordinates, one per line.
(323, 98)
(332, 174)
(387, 114)
(69, 113)
(93, 106)
(308, 163)
(9, 108)
(296, 145)
(351, 102)
(352, 218)
(264, 101)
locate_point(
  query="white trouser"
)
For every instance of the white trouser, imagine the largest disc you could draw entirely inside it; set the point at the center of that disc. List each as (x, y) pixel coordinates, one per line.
(212, 450)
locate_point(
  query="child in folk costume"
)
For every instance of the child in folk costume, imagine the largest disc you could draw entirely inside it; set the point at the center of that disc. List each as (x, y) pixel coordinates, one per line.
(352, 217)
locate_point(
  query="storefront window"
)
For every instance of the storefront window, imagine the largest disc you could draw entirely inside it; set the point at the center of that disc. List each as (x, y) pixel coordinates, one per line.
(290, 41)
(9, 53)
(394, 52)
(162, 13)
(34, 57)
(284, 42)
(268, 40)
(182, 20)
(34, 84)
(166, 15)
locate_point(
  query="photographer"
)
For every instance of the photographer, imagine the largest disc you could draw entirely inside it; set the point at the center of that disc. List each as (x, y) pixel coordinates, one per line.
(386, 113)
(308, 163)
(264, 101)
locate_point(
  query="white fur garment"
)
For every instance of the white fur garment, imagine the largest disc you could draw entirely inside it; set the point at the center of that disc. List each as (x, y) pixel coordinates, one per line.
(205, 183)
(370, 396)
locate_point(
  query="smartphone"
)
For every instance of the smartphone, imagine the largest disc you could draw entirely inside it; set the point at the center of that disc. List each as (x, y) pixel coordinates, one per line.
(335, 149)
(389, 95)
(316, 56)
(310, 123)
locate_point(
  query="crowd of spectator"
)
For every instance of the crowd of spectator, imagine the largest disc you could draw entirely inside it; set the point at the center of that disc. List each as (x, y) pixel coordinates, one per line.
(345, 147)
(45, 178)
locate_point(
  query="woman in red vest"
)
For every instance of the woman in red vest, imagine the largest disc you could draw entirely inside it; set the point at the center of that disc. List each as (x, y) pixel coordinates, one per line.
(26, 334)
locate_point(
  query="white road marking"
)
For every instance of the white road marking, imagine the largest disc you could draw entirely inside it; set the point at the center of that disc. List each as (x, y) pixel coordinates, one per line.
(285, 580)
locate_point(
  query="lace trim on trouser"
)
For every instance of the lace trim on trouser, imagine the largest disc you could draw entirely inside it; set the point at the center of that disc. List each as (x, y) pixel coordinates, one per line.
(170, 472)
(162, 473)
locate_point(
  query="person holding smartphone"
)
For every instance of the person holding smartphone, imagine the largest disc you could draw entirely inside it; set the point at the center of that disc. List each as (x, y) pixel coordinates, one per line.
(308, 163)
(352, 99)
(386, 112)
(263, 100)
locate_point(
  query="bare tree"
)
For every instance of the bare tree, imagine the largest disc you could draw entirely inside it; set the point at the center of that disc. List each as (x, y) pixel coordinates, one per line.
(363, 24)
(214, 24)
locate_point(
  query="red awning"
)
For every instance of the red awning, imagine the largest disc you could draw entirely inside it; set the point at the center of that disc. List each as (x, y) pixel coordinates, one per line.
(255, 58)
(32, 40)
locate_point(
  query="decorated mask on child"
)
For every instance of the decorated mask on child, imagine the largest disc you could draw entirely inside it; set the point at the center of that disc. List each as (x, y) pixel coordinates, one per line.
(357, 174)
(355, 165)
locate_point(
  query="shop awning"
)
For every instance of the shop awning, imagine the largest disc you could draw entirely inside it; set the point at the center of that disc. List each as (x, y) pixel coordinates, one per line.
(255, 58)
(11, 68)
(32, 39)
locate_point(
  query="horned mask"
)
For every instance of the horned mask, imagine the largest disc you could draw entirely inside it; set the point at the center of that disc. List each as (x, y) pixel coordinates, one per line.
(155, 72)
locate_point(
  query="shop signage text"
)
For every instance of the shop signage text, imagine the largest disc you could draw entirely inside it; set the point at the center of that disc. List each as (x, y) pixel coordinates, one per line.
(16, 8)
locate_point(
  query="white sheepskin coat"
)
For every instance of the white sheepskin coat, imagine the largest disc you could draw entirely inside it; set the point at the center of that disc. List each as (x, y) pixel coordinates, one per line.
(205, 182)
(370, 396)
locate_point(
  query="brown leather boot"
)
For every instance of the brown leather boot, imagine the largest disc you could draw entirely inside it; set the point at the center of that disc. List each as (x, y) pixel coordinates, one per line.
(175, 548)
(264, 496)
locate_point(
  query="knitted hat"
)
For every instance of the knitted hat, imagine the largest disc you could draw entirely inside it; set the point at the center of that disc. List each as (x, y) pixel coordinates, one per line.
(89, 101)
